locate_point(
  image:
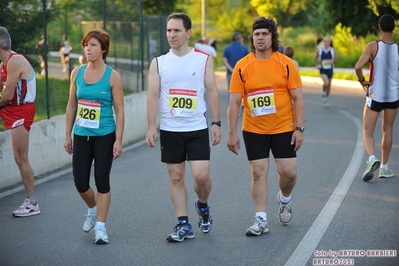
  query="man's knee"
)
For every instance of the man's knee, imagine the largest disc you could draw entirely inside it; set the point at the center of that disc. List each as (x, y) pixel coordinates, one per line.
(20, 158)
(202, 179)
(289, 176)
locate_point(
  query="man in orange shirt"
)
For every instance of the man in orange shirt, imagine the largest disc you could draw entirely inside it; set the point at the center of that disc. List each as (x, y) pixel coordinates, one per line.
(269, 85)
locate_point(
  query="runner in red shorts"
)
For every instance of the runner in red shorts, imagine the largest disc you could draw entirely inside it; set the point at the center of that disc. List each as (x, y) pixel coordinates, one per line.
(17, 109)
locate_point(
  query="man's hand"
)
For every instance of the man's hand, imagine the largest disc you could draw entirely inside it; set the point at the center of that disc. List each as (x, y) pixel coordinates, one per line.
(151, 136)
(233, 143)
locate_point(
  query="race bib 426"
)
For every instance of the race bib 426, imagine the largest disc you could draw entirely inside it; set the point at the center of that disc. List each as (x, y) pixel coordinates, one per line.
(88, 114)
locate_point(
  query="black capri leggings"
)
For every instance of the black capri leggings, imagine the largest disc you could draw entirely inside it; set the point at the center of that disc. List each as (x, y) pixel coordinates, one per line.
(85, 149)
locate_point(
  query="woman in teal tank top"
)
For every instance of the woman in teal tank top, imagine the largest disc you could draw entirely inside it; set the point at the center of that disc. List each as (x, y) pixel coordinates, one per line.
(96, 91)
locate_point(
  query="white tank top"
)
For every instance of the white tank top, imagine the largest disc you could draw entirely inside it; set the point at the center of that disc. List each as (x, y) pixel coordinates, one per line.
(182, 104)
(384, 73)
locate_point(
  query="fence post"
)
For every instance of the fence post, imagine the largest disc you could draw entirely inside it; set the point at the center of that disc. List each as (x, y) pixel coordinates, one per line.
(46, 57)
(70, 66)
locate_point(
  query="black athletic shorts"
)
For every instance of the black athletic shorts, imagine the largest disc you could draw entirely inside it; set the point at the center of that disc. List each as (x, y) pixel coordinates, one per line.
(378, 107)
(258, 146)
(328, 72)
(176, 147)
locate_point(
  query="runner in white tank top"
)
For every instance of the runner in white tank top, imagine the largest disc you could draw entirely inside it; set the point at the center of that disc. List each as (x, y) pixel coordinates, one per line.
(382, 95)
(177, 84)
(384, 75)
(182, 103)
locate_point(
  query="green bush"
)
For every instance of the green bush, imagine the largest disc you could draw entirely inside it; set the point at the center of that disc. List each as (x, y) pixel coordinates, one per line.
(303, 40)
(337, 75)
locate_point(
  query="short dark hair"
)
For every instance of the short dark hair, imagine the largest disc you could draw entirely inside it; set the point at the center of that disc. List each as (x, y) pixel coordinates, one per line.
(236, 36)
(101, 36)
(387, 23)
(289, 51)
(184, 17)
(267, 23)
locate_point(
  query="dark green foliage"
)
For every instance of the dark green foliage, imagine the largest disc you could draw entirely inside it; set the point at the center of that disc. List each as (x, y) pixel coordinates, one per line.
(24, 21)
(354, 14)
(157, 7)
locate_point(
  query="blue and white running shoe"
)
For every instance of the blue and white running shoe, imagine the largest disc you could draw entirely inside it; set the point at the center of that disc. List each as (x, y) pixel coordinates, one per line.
(205, 219)
(181, 231)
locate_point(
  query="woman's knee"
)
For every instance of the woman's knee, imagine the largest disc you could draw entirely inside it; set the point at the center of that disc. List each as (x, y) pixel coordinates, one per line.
(81, 186)
(103, 188)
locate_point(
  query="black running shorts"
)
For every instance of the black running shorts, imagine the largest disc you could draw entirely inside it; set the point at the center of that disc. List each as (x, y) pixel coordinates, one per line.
(176, 147)
(258, 146)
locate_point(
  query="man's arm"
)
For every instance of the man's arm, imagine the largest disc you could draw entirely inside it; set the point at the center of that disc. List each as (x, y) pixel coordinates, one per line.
(335, 59)
(299, 109)
(316, 59)
(213, 100)
(152, 103)
(15, 67)
(233, 142)
(368, 54)
(227, 65)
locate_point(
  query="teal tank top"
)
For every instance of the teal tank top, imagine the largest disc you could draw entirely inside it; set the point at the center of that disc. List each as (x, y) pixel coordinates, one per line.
(95, 116)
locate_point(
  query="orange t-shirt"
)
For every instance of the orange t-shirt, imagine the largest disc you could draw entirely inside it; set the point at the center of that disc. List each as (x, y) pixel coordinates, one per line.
(265, 86)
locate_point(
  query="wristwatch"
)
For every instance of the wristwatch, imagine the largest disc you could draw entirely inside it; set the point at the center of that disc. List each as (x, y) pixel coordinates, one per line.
(302, 129)
(218, 123)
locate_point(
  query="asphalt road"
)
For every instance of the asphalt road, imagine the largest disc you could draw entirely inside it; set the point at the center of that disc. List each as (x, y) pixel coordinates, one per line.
(334, 210)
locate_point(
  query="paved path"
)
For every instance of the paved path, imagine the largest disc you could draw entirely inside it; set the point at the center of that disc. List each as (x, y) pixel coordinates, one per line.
(333, 209)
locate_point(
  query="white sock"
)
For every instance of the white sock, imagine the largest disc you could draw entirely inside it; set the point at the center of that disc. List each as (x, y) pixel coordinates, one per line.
(284, 199)
(93, 210)
(372, 157)
(384, 166)
(262, 215)
(100, 224)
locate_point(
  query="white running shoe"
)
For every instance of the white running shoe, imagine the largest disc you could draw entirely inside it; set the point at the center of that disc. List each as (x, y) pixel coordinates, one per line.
(385, 172)
(372, 166)
(27, 209)
(259, 227)
(326, 102)
(284, 212)
(90, 221)
(101, 236)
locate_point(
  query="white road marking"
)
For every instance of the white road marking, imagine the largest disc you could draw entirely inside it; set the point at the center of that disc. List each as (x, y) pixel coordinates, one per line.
(310, 241)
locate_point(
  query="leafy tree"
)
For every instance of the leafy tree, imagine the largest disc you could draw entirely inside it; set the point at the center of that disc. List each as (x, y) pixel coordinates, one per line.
(238, 18)
(284, 12)
(158, 7)
(358, 16)
(323, 15)
(381, 7)
(24, 21)
(213, 9)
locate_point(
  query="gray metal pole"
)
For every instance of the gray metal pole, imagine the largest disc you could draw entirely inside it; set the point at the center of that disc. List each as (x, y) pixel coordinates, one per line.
(203, 18)
(44, 2)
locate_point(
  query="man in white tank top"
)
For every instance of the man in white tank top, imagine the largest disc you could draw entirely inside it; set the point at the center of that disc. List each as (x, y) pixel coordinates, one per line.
(178, 81)
(382, 94)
